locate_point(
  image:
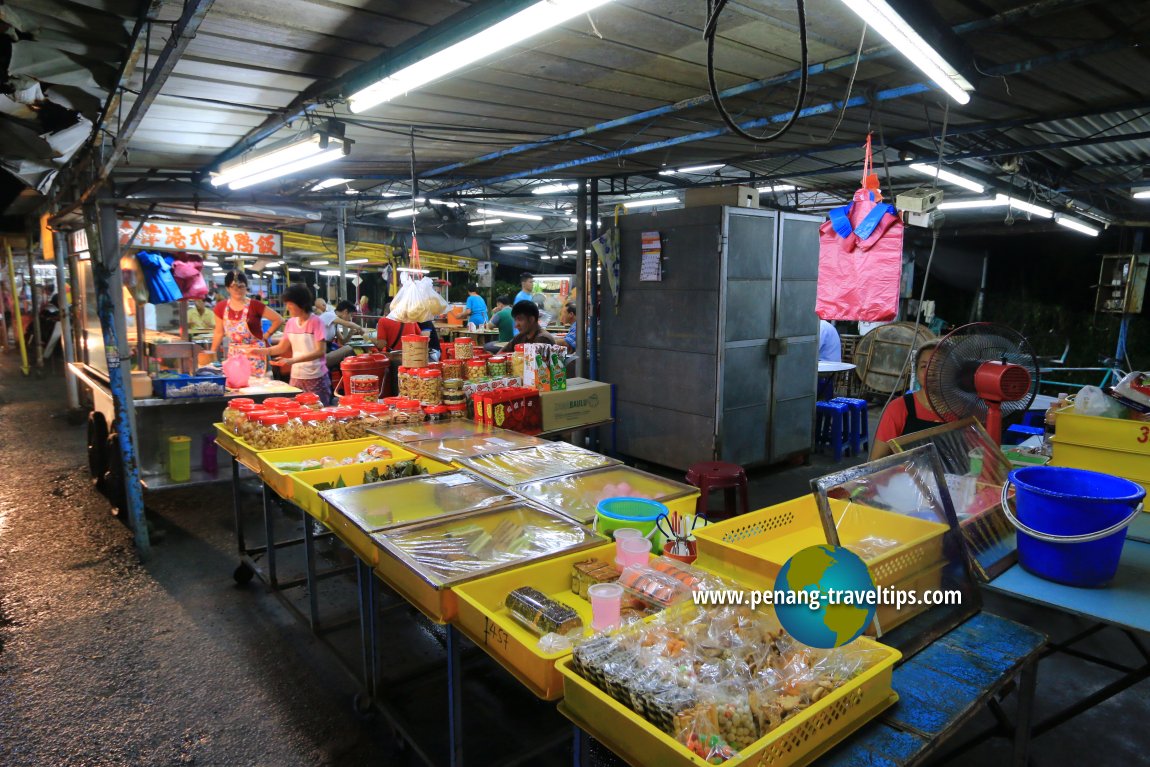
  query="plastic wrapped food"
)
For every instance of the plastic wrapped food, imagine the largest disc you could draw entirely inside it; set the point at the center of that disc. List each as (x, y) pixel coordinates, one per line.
(656, 587)
(374, 507)
(578, 495)
(589, 572)
(450, 449)
(550, 459)
(445, 551)
(539, 613)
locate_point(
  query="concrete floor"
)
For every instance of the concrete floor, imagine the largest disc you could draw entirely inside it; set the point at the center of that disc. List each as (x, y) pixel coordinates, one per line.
(104, 661)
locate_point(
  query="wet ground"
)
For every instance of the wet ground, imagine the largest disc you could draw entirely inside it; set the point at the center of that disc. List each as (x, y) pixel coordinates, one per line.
(106, 661)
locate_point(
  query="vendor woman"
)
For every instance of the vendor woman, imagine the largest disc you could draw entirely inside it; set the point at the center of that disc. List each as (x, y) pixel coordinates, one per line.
(303, 346)
(241, 318)
(909, 413)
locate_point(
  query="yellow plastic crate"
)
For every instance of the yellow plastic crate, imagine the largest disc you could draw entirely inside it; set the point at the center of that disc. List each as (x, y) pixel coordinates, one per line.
(485, 620)
(281, 481)
(888, 617)
(755, 546)
(1134, 466)
(307, 497)
(798, 741)
(1117, 434)
(577, 495)
(237, 448)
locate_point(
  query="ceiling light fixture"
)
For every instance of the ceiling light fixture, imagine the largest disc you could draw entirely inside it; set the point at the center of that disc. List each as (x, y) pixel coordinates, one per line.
(651, 201)
(514, 247)
(1078, 226)
(946, 175)
(318, 263)
(986, 202)
(693, 169)
(485, 222)
(553, 188)
(503, 34)
(508, 214)
(331, 273)
(445, 203)
(879, 15)
(1027, 207)
(404, 212)
(352, 261)
(283, 157)
(1141, 190)
(570, 252)
(777, 188)
(294, 269)
(328, 184)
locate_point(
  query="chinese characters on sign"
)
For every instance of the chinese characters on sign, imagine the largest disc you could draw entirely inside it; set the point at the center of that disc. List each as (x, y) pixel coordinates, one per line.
(200, 239)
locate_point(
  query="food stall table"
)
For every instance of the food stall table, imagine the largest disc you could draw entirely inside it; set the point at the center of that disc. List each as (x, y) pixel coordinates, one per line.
(940, 689)
(1123, 606)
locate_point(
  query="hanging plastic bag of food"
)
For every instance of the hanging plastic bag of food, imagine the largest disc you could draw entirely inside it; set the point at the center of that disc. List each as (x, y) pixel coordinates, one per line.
(417, 299)
(860, 257)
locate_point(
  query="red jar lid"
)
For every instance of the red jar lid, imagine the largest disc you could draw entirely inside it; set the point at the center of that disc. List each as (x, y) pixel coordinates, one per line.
(307, 398)
(235, 403)
(435, 409)
(430, 373)
(315, 416)
(257, 413)
(476, 364)
(416, 339)
(351, 399)
(455, 408)
(465, 341)
(408, 404)
(372, 407)
(273, 401)
(274, 419)
(519, 347)
(393, 401)
(247, 407)
(404, 371)
(297, 412)
(498, 358)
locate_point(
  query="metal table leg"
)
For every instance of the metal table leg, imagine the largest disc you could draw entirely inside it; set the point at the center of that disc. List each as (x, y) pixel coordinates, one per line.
(237, 505)
(270, 535)
(454, 697)
(309, 564)
(1028, 681)
(579, 747)
(364, 578)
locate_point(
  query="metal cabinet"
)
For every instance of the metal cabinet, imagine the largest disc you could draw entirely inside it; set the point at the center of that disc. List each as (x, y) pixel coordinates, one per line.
(719, 359)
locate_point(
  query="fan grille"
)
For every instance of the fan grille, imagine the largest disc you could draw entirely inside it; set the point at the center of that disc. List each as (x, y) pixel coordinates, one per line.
(950, 377)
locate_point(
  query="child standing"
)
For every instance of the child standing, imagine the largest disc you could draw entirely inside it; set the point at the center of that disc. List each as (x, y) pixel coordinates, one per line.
(303, 345)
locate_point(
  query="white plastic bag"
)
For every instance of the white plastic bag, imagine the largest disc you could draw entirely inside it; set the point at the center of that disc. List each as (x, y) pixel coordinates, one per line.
(1093, 401)
(417, 300)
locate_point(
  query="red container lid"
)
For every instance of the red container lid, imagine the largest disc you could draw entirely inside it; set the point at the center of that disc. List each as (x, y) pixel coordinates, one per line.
(435, 409)
(373, 407)
(235, 403)
(476, 363)
(351, 399)
(465, 341)
(392, 401)
(497, 359)
(274, 419)
(257, 413)
(297, 412)
(315, 416)
(307, 398)
(246, 407)
(430, 373)
(274, 401)
(519, 347)
(416, 339)
(435, 365)
(404, 371)
(455, 408)
(408, 404)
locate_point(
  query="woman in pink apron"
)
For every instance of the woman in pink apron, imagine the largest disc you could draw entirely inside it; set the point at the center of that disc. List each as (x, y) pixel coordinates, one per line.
(241, 319)
(303, 346)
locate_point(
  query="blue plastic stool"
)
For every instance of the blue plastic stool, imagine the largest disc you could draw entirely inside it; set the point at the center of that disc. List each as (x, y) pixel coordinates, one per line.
(830, 418)
(859, 428)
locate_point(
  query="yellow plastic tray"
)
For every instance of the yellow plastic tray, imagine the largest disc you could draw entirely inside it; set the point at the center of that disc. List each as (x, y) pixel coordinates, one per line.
(754, 547)
(237, 448)
(485, 620)
(1134, 466)
(577, 495)
(307, 497)
(1117, 434)
(281, 481)
(798, 741)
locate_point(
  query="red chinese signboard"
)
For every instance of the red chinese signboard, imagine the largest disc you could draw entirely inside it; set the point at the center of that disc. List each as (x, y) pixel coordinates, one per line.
(200, 239)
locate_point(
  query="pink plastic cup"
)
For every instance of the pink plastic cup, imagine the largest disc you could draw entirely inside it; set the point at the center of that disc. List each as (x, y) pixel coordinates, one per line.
(620, 534)
(606, 605)
(632, 551)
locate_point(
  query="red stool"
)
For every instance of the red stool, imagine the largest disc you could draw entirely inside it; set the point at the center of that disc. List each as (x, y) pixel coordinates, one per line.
(719, 475)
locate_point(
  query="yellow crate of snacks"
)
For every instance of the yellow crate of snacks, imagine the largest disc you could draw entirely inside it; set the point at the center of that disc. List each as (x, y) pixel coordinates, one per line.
(1134, 466)
(668, 691)
(484, 616)
(279, 467)
(354, 513)
(425, 561)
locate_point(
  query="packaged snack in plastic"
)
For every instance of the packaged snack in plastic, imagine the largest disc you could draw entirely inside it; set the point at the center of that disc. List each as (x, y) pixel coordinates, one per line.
(537, 612)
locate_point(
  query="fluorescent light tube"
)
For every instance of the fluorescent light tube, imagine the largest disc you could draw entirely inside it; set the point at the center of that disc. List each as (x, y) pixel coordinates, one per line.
(328, 184)
(693, 169)
(651, 201)
(946, 175)
(445, 203)
(504, 34)
(485, 222)
(1022, 205)
(1142, 195)
(403, 212)
(514, 247)
(330, 273)
(553, 188)
(294, 269)
(570, 252)
(886, 21)
(508, 214)
(318, 263)
(351, 261)
(1076, 225)
(776, 188)
(279, 159)
(965, 204)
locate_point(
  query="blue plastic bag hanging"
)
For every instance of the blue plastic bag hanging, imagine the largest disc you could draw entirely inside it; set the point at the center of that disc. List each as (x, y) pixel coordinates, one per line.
(162, 286)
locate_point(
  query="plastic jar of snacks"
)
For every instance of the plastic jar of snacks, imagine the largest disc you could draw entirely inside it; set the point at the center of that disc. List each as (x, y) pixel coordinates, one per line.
(278, 403)
(317, 426)
(309, 400)
(375, 415)
(250, 422)
(476, 370)
(452, 369)
(235, 410)
(457, 412)
(347, 424)
(497, 366)
(430, 387)
(272, 432)
(517, 362)
(415, 350)
(464, 348)
(435, 413)
(391, 402)
(351, 400)
(406, 376)
(408, 411)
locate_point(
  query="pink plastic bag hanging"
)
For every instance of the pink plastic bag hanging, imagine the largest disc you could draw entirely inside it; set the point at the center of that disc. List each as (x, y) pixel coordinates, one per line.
(860, 257)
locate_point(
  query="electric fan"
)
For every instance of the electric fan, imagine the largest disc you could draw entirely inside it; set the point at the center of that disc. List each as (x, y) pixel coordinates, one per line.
(983, 370)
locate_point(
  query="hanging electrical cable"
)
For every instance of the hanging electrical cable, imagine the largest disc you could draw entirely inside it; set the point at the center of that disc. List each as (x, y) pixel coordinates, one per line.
(714, 11)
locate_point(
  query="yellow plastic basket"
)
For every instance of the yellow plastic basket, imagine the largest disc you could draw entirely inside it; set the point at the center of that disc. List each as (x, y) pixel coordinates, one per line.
(485, 620)
(754, 547)
(237, 448)
(1110, 434)
(282, 481)
(798, 741)
(1134, 466)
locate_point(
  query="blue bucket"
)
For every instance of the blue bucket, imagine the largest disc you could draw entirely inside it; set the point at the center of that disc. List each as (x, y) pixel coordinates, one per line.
(1071, 522)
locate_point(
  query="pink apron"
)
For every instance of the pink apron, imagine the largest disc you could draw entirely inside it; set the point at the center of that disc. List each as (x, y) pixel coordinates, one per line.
(240, 338)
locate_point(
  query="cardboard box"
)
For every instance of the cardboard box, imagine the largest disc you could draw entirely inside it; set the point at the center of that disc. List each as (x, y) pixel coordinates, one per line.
(735, 196)
(582, 402)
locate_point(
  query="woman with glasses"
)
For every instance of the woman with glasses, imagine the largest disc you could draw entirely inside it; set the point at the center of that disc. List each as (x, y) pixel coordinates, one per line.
(240, 317)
